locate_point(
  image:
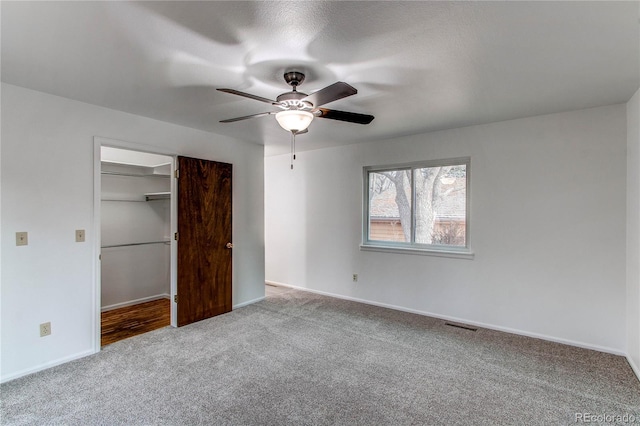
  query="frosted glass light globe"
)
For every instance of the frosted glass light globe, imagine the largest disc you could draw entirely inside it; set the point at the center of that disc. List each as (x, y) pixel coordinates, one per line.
(294, 120)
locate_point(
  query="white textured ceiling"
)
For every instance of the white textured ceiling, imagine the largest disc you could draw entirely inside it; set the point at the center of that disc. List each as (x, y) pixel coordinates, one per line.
(417, 66)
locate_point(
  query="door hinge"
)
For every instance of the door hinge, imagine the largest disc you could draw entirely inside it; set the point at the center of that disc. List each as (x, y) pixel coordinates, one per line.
(175, 236)
(175, 298)
(177, 173)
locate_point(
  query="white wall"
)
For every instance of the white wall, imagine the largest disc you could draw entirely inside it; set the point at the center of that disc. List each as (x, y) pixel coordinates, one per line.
(47, 190)
(633, 231)
(136, 273)
(547, 227)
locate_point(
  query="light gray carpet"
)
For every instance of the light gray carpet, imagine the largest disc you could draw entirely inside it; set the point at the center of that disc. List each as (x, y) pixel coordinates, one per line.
(299, 358)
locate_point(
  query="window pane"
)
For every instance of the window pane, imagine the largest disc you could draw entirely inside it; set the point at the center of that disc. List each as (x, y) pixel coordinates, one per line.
(390, 206)
(441, 194)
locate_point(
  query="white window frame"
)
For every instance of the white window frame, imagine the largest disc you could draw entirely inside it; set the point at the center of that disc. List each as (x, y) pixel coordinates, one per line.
(412, 247)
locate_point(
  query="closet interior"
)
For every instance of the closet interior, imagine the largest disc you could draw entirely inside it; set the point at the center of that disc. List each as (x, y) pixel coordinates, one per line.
(135, 244)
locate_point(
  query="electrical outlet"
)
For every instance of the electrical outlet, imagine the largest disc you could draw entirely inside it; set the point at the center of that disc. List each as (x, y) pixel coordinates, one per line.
(79, 235)
(22, 239)
(45, 329)
(355, 278)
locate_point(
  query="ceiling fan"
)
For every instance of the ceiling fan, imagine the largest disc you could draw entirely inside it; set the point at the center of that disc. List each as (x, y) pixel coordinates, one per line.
(297, 109)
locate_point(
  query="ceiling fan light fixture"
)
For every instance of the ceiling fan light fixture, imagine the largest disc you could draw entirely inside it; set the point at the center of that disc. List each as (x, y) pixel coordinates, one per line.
(294, 120)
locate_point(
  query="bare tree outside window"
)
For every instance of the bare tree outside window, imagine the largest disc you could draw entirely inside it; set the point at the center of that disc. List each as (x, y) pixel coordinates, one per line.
(390, 205)
(430, 198)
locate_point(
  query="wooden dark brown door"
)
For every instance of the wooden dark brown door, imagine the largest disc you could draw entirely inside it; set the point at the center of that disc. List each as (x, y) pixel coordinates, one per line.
(204, 239)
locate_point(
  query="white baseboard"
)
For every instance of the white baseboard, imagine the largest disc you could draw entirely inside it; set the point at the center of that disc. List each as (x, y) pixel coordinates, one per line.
(461, 320)
(41, 367)
(249, 302)
(135, 302)
(634, 367)
(277, 284)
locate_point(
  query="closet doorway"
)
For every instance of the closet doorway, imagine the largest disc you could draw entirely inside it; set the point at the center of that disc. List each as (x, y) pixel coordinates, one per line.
(164, 238)
(135, 247)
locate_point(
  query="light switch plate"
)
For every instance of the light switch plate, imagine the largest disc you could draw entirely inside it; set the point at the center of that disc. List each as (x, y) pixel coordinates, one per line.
(45, 329)
(79, 235)
(22, 239)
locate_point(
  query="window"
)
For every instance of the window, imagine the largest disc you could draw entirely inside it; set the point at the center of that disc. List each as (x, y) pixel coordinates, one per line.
(421, 207)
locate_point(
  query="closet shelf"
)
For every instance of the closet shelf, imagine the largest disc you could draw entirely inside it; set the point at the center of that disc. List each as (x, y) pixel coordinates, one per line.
(150, 196)
(157, 196)
(134, 175)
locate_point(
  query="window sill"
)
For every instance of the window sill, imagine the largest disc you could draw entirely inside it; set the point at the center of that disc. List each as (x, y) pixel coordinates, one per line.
(456, 254)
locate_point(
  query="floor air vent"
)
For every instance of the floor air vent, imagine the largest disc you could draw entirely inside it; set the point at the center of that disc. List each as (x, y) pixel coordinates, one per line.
(466, 327)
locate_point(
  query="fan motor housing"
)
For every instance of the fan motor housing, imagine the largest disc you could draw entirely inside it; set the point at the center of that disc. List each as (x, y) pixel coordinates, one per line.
(293, 100)
(291, 96)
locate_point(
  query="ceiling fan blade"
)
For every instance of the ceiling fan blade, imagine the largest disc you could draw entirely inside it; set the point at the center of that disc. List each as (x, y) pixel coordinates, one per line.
(231, 120)
(331, 93)
(302, 132)
(248, 95)
(351, 117)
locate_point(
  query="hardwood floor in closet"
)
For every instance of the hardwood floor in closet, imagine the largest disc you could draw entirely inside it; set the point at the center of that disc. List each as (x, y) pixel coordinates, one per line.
(122, 323)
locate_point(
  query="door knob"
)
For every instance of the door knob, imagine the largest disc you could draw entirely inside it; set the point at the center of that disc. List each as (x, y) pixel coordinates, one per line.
(229, 245)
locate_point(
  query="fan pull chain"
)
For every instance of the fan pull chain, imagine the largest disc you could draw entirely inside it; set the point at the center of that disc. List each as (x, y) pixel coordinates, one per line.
(292, 139)
(293, 148)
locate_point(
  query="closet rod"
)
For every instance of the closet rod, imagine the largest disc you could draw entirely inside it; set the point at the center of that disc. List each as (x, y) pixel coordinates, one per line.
(128, 201)
(133, 175)
(136, 244)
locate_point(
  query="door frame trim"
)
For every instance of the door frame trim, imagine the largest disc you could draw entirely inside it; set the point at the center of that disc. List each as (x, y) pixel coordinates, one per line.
(98, 142)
